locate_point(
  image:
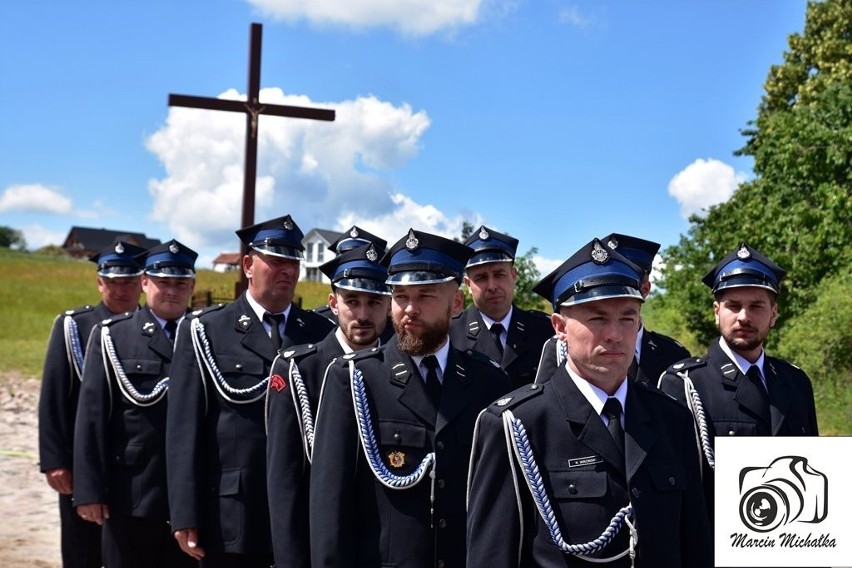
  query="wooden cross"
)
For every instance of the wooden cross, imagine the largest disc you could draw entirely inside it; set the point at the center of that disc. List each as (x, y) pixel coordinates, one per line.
(252, 109)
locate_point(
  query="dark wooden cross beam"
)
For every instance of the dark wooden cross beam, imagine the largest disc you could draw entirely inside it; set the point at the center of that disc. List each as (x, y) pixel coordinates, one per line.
(252, 109)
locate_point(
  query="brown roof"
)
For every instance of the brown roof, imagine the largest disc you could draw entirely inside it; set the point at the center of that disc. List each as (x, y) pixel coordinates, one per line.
(232, 258)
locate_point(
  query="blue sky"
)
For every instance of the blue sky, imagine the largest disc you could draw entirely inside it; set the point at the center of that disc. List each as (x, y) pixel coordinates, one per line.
(555, 121)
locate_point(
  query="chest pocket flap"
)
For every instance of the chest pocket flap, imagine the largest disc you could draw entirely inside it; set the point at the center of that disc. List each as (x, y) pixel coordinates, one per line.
(402, 434)
(143, 366)
(578, 484)
(240, 363)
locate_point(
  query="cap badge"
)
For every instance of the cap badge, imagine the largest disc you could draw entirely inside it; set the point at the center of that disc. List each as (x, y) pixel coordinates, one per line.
(353, 233)
(612, 243)
(372, 255)
(119, 248)
(599, 254)
(483, 234)
(396, 459)
(173, 248)
(288, 224)
(411, 243)
(743, 253)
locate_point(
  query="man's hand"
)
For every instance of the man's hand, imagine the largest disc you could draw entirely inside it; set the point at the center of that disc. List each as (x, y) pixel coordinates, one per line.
(188, 541)
(93, 512)
(60, 480)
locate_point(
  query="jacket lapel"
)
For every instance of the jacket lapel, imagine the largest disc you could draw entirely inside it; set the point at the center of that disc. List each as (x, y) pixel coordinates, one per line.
(157, 340)
(254, 338)
(779, 401)
(413, 395)
(745, 392)
(455, 392)
(639, 436)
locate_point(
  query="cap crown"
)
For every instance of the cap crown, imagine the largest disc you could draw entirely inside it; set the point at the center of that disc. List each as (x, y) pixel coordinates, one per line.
(358, 269)
(171, 259)
(357, 237)
(595, 272)
(118, 260)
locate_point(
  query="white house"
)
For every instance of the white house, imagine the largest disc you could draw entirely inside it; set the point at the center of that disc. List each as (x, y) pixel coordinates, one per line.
(316, 243)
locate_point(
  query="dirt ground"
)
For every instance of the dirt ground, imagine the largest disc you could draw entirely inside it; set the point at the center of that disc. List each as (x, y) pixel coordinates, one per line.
(29, 514)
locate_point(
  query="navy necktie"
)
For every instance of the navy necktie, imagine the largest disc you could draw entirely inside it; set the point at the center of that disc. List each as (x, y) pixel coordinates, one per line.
(753, 375)
(433, 385)
(612, 411)
(274, 321)
(496, 329)
(170, 328)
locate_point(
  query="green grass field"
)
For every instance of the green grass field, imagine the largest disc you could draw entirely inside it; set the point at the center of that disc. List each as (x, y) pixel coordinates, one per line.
(34, 289)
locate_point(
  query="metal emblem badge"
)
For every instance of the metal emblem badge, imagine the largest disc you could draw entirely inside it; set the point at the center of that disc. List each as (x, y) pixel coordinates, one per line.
(353, 233)
(288, 224)
(396, 459)
(411, 243)
(743, 253)
(504, 401)
(612, 243)
(173, 248)
(244, 321)
(148, 327)
(483, 234)
(277, 382)
(599, 254)
(119, 248)
(372, 255)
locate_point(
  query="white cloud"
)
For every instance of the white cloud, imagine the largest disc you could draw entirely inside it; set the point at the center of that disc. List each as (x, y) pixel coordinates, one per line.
(406, 214)
(572, 15)
(413, 17)
(704, 183)
(31, 198)
(313, 170)
(546, 265)
(38, 236)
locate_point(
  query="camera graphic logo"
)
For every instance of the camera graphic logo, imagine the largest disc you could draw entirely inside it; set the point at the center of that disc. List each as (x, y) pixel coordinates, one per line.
(787, 490)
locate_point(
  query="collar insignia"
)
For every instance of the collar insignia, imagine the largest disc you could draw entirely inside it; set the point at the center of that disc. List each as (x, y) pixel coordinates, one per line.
(244, 321)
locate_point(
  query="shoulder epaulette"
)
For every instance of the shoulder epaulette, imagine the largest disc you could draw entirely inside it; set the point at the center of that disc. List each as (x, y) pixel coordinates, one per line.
(208, 309)
(515, 398)
(309, 315)
(359, 355)
(299, 351)
(650, 388)
(479, 357)
(687, 364)
(116, 318)
(78, 310)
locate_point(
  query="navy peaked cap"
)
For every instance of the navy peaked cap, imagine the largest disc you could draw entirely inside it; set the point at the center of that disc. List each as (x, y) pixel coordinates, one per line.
(744, 266)
(638, 251)
(595, 272)
(280, 237)
(357, 237)
(423, 258)
(358, 269)
(169, 260)
(118, 260)
(490, 246)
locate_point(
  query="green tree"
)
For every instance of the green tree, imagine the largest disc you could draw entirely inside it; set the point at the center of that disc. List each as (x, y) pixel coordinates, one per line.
(798, 209)
(12, 238)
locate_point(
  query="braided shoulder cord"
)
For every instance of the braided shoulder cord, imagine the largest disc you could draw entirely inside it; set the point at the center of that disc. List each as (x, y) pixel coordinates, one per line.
(73, 345)
(561, 352)
(522, 450)
(693, 401)
(229, 393)
(127, 388)
(303, 408)
(371, 446)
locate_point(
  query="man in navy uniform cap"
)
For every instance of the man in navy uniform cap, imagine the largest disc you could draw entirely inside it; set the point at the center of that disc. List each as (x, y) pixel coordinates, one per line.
(216, 435)
(554, 464)
(743, 391)
(654, 351)
(120, 434)
(360, 300)
(494, 325)
(395, 425)
(118, 279)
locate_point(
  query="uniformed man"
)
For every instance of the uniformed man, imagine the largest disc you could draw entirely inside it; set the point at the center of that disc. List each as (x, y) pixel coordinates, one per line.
(119, 444)
(360, 300)
(494, 325)
(654, 351)
(118, 279)
(395, 425)
(588, 465)
(743, 391)
(355, 237)
(216, 432)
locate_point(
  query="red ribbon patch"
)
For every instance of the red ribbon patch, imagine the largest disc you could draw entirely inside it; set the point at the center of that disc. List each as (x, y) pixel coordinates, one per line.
(277, 382)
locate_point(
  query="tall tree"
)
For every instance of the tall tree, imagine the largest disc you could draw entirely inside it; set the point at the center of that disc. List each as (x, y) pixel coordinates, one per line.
(12, 238)
(798, 209)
